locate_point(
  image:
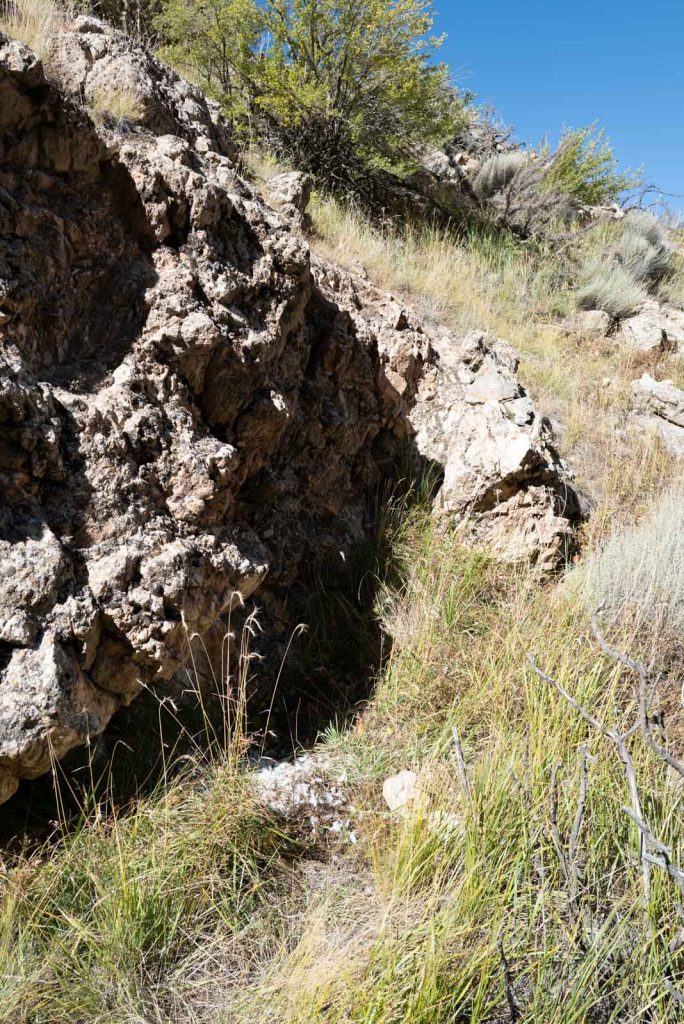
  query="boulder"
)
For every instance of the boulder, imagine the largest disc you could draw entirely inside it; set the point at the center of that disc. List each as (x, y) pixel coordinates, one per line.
(654, 327)
(291, 191)
(659, 405)
(193, 408)
(400, 789)
(93, 62)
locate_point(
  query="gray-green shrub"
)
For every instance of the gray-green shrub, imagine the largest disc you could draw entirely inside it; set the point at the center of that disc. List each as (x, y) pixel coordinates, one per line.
(605, 284)
(643, 248)
(639, 574)
(498, 172)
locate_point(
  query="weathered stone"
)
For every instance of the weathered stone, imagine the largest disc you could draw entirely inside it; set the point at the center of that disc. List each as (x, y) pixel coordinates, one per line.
(400, 789)
(653, 328)
(659, 405)
(292, 189)
(591, 322)
(94, 62)
(192, 408)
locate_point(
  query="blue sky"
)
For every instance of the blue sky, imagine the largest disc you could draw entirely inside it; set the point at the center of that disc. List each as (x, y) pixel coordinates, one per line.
(546, 65)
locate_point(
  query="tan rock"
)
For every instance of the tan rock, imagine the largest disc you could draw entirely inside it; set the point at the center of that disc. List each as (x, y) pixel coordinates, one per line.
(659, 405)
(653, 328)
(400, 789)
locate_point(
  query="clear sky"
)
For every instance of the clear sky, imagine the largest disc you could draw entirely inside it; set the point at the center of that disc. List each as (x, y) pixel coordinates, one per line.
(548, 65)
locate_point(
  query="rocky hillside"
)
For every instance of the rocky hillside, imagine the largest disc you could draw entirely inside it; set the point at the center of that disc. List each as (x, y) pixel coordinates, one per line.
(193, 408)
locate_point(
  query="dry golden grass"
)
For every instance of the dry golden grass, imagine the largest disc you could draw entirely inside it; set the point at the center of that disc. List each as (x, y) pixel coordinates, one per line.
(117, 105)
(34, 22)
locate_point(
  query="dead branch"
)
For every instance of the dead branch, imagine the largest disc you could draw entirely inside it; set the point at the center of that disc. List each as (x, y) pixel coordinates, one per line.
(513, 1011)
(620, 742)
(644, 675)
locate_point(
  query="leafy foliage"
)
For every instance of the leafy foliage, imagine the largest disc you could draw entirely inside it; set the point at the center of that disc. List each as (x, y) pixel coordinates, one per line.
(339, 87)
(586, 168)
(362, 73)
(214, 42)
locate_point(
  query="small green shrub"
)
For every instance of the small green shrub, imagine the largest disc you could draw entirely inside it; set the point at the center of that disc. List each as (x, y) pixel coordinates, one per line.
(605, 284)
(586, 168)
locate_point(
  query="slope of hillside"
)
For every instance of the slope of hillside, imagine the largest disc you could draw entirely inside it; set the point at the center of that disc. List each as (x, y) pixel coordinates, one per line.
(209, 404)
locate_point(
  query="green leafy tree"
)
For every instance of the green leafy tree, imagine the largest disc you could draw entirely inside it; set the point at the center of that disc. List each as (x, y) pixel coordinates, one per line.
(215, 44)
(353, 83)
(342, 87)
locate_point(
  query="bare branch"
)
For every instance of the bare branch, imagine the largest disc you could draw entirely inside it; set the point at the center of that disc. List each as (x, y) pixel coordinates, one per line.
(514, 1013)
(644, 679)
(619, 740)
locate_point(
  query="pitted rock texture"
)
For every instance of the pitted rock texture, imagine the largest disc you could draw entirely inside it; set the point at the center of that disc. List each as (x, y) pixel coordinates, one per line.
(653, 328)
(659, 405)
(192, 409)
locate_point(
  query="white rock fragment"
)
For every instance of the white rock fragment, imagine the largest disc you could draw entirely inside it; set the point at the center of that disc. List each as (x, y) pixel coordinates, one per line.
(400, 789)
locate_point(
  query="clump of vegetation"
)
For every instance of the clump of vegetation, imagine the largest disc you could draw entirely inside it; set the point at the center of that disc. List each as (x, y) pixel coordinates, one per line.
(639, 574)
(540, 194)
(117, 106)
(34, 22)
(643, 248)
(585, 168)
(342, 90)
(605, 284)
(498, 171)
(631, 267)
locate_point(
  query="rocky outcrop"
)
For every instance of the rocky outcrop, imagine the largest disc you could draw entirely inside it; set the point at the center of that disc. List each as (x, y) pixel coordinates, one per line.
(291, 191)
(192, 409)
(653, 328)
(588, 323)
(659, 405)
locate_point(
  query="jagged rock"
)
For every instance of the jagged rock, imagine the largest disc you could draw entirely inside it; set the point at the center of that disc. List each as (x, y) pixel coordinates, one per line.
(292, 192)
(473, 418)
(654, 327)
(659, 405)
(306, 793)
(94, 62)
(192, 409)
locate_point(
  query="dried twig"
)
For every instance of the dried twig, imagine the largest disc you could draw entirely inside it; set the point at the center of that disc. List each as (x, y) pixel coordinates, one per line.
(644, 675)
(513, 1011)
(620, 742)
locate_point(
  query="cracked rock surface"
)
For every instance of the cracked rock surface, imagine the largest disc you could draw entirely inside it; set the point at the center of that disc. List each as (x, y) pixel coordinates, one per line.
(192, 407)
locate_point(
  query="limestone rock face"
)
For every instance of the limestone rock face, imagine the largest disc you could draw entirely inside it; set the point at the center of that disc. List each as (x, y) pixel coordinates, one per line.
(654, 327)
(192, 409)
(291, 191)
(659, 405)
(94, 63)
